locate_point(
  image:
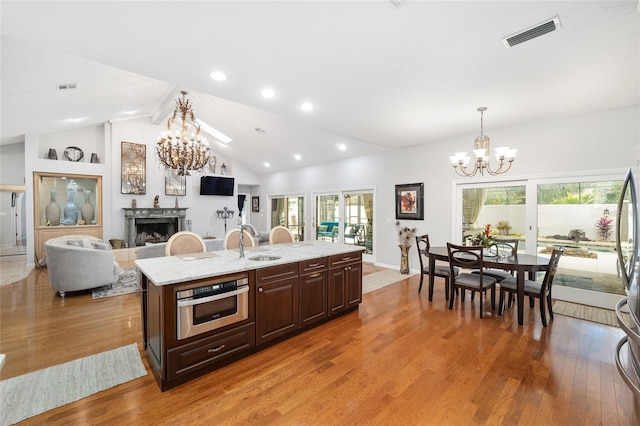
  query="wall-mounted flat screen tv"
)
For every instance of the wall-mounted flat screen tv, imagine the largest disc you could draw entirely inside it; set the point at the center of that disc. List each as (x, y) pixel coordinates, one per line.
(216, 185)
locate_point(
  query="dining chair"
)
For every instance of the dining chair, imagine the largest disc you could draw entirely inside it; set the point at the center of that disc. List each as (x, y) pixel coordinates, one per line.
(232, 239)
(534, 289)
(441, 270)
(184, 242)
(508, 247)
(469, 258)
(279, 235)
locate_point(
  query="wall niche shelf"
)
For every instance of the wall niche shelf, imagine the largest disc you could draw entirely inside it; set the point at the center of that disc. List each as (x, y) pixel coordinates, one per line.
(66, 204)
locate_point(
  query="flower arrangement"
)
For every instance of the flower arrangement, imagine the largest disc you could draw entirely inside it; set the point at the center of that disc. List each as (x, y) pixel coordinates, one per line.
(406, 235)
(483, 238)
(504, 227)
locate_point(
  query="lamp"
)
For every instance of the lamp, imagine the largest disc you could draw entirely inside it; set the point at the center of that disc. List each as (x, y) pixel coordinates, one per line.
(504, 155)
(181, 147)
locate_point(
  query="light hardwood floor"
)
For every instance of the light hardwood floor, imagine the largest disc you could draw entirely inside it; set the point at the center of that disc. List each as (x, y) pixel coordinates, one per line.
(398, 360)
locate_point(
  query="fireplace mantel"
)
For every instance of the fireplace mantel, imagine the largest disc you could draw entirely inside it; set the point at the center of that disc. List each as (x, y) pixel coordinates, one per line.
(130, 216)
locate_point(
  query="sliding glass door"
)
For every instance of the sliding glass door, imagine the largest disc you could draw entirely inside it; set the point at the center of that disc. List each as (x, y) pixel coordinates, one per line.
(576, 214)
(346, 217)
(288, 211)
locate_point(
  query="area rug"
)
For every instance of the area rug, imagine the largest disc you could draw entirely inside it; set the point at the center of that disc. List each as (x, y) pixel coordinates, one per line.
(589, 313)
(127, 283)
(377, 280)
(34, 393)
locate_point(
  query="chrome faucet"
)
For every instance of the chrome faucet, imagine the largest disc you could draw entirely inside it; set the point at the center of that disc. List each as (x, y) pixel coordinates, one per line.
(241, 243)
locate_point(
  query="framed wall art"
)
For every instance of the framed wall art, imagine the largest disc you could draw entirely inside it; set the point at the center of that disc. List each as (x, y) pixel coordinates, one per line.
(410, 201)
(134, 168)
(255, 204)
(175, 185)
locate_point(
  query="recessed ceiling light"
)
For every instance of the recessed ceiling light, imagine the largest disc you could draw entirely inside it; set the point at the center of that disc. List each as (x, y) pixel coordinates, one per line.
(342, 147)
(130, 111)
(297, 157)
(267, 164)
(76, 119)
(306, 106)
(268, 93)
(218, 76)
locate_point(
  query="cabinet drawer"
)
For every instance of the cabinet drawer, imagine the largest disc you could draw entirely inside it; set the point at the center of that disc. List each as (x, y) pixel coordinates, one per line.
(274, 273)
(341, 259)
(307, 266)
(192, 356)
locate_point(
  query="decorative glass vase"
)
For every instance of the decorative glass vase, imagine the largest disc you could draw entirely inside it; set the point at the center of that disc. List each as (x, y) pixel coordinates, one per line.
(71, 209)
(87, 211)
(52, 210)
(404, 259)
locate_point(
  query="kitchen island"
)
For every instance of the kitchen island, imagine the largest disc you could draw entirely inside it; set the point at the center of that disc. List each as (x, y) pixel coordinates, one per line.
(287, 289)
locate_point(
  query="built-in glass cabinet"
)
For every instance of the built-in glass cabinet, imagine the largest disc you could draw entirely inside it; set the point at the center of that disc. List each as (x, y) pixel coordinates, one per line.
(66, 204)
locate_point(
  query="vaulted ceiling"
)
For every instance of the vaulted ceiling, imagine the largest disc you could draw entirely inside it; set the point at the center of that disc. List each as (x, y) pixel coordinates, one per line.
(381, 75)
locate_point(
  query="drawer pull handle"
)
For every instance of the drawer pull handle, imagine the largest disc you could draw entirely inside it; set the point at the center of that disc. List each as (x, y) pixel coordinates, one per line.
(313, 265)
(346, 258)
(218, 349)
(314, 275)
(260, 290)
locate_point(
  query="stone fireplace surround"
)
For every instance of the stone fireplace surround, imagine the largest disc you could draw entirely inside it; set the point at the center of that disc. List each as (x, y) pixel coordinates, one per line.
(144, 217)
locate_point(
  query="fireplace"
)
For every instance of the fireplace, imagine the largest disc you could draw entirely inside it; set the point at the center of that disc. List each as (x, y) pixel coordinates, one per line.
(144, 226)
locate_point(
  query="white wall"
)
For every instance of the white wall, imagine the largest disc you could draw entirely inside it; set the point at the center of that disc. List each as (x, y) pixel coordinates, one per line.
(580, 145)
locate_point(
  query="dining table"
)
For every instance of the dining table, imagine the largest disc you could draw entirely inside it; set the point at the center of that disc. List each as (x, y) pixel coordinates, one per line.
(521, 264)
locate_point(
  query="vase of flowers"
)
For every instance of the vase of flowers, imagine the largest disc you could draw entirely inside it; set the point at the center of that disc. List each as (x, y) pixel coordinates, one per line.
(406, 237)
(483, 238)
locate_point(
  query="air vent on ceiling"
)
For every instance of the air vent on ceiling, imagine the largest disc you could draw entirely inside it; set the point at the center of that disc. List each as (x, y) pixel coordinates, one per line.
(66, 86)
(530, 33)
(397, 3)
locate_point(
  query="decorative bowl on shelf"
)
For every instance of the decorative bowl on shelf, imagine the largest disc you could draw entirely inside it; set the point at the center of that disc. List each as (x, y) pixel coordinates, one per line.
(73, 153)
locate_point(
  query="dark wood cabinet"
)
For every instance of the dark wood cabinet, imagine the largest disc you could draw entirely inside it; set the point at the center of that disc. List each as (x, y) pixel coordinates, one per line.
(313, 291)
(283, 300)
(345, 282)
(276, 301)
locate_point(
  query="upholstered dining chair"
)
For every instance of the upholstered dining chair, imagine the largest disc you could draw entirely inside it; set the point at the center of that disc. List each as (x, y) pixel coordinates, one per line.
(441, 269)
(232, 239)
(184, 242)
(534, 289)
(470, 258)
(279, 235)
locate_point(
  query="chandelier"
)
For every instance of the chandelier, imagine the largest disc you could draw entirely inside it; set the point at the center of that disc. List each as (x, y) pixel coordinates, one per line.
(504, 156)
(181, 146)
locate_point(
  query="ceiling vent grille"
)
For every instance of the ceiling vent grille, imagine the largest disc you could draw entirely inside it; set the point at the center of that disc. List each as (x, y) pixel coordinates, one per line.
(533, 32)
(67, 86)
(397, 3)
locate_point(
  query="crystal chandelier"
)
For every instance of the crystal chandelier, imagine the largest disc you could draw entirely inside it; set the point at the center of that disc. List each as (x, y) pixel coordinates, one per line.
(504, 156)
(181, 146)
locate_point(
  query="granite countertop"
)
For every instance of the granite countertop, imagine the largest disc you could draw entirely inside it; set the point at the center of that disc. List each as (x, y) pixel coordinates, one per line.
(176, 269)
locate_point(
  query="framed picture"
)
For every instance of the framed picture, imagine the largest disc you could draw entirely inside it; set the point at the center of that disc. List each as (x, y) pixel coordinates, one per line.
(175, 185)
(255, 204)
(410, 201)
(134, 168)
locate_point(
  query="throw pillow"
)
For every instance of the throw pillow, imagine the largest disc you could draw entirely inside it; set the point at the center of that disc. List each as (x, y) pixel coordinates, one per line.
(86, 243)
(323, 228)
(74, 243)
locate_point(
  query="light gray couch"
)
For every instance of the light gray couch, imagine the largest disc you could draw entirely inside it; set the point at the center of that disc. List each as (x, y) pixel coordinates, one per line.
(79, 262)
(157, 250)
